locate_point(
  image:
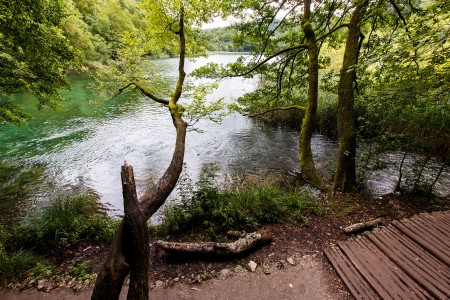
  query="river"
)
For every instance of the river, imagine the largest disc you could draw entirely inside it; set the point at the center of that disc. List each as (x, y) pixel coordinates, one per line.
(84, 143)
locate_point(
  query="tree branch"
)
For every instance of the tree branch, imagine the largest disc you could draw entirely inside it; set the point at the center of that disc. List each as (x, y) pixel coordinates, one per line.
(301, 46)
(332, 31)
(143, 92)
(299, 107)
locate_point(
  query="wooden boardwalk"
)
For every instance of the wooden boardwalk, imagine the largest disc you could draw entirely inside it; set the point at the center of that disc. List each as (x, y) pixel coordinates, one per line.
(409, 259)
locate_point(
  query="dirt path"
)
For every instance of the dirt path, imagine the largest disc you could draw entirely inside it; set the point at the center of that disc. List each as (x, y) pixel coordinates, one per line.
(310, 278)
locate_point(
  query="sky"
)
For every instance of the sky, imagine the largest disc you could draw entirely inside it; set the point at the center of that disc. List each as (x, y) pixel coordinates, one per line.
(217, 22)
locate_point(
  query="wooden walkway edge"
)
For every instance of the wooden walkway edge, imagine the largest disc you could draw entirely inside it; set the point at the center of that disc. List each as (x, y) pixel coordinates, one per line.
(409, 259)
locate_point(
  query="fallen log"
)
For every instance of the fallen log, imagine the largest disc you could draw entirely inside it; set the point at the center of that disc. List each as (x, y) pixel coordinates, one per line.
(358, 227)
(243, 244)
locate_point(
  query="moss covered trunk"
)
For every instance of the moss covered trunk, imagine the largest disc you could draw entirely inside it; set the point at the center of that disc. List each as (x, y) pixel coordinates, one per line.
(345, 177)
(307, 165)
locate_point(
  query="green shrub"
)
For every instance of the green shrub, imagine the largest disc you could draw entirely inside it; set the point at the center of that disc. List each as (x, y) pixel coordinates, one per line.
(16, 266)
(218, 211)
(65, 220)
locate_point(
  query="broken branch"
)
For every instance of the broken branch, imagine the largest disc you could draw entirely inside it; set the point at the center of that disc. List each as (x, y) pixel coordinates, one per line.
(244, 244)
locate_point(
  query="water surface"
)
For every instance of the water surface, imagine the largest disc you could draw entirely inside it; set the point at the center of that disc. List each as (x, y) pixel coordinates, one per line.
(84, 143)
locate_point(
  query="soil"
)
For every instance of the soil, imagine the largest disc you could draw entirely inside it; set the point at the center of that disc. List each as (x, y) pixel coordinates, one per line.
(305, 275)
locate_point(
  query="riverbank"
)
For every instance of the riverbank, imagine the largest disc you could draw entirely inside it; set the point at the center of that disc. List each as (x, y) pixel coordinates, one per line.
(292, 242)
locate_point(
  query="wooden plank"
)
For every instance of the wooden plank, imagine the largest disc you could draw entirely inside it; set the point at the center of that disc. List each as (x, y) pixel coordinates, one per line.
(436, 224)
(415, 266)
(427, 227)
(409, 259)
(372, 271)
(422, 240)
(404, 286)
(356, 284)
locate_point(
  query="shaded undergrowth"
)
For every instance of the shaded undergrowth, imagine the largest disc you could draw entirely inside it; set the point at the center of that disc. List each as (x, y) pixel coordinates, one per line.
(214, 211)
(61, 223)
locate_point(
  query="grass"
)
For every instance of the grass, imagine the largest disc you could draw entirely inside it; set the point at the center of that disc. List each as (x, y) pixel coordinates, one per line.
(216, 211)
(63, 221)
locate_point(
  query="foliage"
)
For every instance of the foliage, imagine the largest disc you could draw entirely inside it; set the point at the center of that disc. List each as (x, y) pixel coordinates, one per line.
(97, 29)
(216, 211)
(406, 85)
(221, 39)
(82, 270)
(135, 70)
(33, 52)
(17, 265)
(65, 220)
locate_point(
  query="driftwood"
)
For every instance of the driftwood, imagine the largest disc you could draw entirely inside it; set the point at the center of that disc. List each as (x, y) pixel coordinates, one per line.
(243, 244)
(358, 227)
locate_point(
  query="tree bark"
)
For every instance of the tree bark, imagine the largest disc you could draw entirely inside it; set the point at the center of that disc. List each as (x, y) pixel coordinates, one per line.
(430, 189)
(359, 227)
(134, 217)
(345, 177)
(309, 172)
(398, 185)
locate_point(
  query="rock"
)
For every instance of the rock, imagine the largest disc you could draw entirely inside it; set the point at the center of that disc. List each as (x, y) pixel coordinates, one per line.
(78, 287)
(48, 287)
(197, 279)
(252, 265)
(224, 273)
(291, 261)
(159, 283)
(280, 264)
(72, 283)
(41, 284)
(239, 269)
(32, 283)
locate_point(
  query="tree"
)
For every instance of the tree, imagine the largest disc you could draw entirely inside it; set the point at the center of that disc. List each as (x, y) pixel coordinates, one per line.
(345, 175)
(96, 28)
(285, 57)
(176, 26)
(408, 80)
(33, 54)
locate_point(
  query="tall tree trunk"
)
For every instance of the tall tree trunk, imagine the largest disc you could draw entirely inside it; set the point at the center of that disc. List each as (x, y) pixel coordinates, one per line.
(345, 177)
(307, 165)
(120, 258)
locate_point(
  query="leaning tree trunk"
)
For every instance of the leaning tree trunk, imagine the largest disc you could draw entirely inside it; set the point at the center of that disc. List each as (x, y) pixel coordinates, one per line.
(126, 251)
(345, 177)
(307, 165)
